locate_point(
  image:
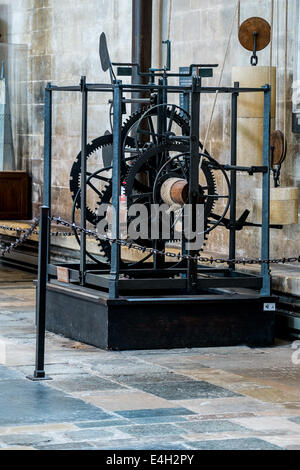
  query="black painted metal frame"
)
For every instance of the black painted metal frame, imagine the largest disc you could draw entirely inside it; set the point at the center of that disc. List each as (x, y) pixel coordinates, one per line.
(153, 275)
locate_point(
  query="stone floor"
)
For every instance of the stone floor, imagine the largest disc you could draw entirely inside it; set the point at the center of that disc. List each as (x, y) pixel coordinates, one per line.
(213, 398)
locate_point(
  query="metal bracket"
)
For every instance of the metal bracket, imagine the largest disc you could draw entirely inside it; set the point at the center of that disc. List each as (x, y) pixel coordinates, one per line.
(254, 58)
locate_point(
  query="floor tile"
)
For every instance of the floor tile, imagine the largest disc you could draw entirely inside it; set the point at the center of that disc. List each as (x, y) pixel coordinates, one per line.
(37, 428)
(54, 369)
(149, 378)
(145, 446)
(234, 444)
(67, 446)
(154, 430)
(105, 423)
(97, 434)
(295, 419)
(116, 401)
(220, 416)
(225, 405)
(25, 439)
(275, 424)
(119, 366)
(159, 419)
(24, 402)
(212, 426)
(283, 441)
(9, 374)
(84, 382)
(186, 390)
(272, 395)
(162, 399)
(156, 412)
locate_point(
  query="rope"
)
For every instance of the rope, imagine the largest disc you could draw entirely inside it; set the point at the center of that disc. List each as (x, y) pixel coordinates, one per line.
(170, 17)
(219, 83)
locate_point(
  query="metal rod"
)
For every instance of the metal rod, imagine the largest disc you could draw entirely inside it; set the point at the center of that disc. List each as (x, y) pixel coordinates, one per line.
(232, 234)
(136, 100)
(249, 169)
(83, 179)
(116, 176)
(265, 231)
(158, 261)
(193, 176)
(39, 372)
(141, 44)
(153, 87)
(47, 145)
(48, 157)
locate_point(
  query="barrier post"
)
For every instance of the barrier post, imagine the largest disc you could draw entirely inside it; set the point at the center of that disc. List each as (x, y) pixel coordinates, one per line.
(39, 372)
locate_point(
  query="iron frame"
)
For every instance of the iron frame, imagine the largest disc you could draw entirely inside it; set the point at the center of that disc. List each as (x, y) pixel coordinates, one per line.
(109, 279)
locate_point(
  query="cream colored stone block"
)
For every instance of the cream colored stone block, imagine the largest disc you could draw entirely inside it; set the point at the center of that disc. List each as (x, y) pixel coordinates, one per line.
(252, 104)
(250, 141)
(283, 206)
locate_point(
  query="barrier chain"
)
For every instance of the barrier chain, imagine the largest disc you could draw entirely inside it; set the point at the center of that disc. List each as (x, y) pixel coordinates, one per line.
(130, 245)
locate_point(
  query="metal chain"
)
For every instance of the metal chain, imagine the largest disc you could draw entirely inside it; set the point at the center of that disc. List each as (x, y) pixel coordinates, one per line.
(132, 246)
(26, 233)
(9, 228)
(178, 256)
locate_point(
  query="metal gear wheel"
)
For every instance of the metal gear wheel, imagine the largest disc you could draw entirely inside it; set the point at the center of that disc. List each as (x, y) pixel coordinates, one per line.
(146, 165)
(106, 142)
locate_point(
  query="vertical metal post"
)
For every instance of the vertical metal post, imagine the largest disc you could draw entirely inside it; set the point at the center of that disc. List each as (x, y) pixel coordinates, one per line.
(232, 233)
(47, 156)
(116, 176)
(265, 231)
(194, 174)
(158, 261)
(161, 115)
(39, 372)
(83, 179)
(141, 45)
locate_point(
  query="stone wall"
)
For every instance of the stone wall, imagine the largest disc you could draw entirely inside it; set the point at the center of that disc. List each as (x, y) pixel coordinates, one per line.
(199, 33)
(62, 39)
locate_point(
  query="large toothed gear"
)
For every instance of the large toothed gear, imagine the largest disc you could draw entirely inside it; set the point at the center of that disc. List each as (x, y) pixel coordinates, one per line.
(93, 148)
(145, 164)
(145, 167)
(106, 142)
(130, 185)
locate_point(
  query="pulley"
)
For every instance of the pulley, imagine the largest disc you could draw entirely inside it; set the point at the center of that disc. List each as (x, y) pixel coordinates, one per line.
(254, 35)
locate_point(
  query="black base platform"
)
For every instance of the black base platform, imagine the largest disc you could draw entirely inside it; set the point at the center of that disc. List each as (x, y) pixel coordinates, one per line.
(164, 322)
